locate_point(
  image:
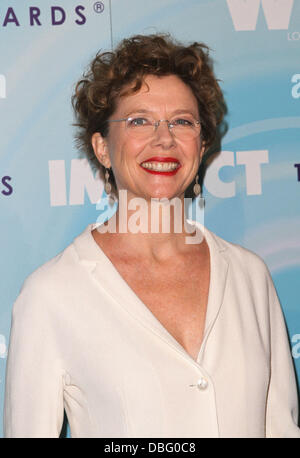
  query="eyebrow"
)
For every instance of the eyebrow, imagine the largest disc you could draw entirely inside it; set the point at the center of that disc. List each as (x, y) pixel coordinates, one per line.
(145, 111)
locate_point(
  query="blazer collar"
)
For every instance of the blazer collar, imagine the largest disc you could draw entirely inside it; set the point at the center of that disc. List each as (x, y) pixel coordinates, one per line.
(113, 285)
(88, 250)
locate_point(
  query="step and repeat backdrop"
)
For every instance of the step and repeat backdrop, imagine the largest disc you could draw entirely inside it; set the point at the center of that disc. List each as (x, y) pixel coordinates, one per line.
(48, 191)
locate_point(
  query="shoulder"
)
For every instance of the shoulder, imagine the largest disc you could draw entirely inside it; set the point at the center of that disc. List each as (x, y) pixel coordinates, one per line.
(243, 260)
(248, 278)
(48, 284)
(55, 271)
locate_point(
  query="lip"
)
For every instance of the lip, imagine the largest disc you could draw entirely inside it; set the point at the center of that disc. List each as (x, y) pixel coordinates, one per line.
(161, 159)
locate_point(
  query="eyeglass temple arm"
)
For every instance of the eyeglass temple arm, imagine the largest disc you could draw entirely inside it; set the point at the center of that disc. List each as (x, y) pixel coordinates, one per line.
(117, 120)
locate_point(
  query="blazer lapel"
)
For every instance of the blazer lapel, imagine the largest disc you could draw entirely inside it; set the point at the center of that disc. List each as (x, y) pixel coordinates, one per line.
(218, 275)
(115, 287)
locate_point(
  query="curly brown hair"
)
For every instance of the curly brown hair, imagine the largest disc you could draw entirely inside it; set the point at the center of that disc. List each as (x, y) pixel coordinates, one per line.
(114, 74)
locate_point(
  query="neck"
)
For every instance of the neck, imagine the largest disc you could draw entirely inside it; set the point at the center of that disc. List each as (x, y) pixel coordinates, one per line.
(155, 228)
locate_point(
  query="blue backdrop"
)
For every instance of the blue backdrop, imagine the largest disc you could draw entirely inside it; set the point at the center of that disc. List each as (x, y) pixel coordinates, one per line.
(49, 193)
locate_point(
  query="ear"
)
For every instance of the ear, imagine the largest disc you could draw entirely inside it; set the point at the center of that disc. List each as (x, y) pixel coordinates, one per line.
(100, 148)
(202, 150)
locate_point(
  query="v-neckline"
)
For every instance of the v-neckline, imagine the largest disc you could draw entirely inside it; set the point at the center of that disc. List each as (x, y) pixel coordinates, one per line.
(109, 277)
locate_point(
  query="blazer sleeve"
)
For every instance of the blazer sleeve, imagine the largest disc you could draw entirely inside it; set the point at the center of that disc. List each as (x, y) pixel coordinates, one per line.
(282, 400)
(33, 404)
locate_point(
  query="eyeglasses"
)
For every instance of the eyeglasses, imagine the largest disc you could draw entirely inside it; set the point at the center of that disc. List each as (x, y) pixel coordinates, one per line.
(184, 128)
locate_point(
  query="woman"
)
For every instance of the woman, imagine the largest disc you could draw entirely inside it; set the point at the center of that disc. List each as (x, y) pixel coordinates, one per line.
(149, 334)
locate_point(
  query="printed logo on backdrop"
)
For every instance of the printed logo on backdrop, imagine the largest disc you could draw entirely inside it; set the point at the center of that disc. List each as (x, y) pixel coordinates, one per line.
(6, 188)
(98, 7)
(298, 171)
(3, 347)
(82, 179)
(57, 15)
(251, 172)
(2, 87)
(296, 95)
(277, 13)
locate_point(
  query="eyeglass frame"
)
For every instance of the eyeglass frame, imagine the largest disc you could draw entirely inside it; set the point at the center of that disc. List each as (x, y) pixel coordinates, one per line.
(156, 123)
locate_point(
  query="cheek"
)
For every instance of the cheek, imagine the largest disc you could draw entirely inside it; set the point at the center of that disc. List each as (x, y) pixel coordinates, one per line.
(199, 148)
(124, 149)
(192, 149)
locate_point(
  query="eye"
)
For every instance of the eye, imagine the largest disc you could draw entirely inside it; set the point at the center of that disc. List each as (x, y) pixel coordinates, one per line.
(182, 122)
(138, 122)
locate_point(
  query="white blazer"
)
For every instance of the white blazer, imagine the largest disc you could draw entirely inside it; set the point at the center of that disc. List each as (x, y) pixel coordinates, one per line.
(81, 340)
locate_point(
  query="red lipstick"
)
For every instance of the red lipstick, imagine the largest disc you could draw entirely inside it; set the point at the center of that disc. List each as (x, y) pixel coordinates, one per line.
(162, 159)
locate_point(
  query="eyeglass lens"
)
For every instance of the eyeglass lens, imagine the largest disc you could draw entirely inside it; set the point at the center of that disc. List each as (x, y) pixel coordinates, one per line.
(180, 128)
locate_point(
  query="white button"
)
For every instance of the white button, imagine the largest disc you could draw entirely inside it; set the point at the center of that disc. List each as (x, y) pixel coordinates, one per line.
(202, 383)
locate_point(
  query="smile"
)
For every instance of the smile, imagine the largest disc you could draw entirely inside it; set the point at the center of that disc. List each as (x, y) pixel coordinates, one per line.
(161, 165)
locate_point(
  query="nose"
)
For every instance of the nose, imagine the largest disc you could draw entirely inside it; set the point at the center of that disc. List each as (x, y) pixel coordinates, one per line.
(163, 135)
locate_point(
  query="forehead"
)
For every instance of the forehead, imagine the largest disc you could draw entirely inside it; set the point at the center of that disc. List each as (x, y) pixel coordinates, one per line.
(167, 93)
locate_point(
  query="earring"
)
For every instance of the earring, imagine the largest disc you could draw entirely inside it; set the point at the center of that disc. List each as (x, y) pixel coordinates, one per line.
(197, 187)
(107, 185)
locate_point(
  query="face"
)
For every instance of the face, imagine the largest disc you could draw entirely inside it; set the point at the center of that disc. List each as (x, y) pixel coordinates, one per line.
(165, 97)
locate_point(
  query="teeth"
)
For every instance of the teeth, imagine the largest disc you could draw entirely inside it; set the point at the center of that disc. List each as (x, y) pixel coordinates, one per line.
(160, 166)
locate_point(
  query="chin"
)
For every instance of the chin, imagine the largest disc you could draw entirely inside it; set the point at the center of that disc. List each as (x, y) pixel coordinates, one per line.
(164, 194)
